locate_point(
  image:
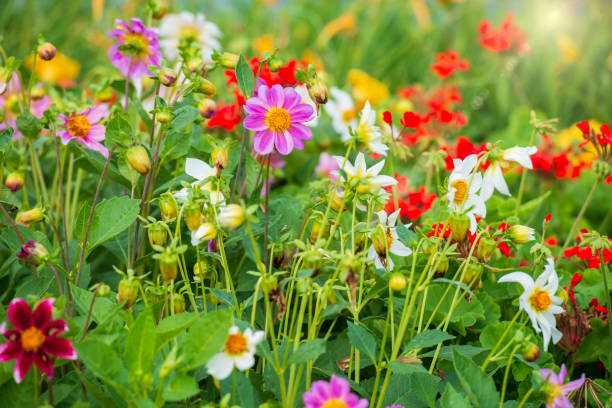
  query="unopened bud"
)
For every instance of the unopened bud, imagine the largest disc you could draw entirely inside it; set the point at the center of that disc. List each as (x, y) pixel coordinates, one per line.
(229, 60)
(27, 218)
(46, 51)
(156, 294)
(486, 246)
(168, 266)
(472, 274)
(158, 9)
(275, 64)
(205, 232)
(37, 93)
(207, 108)
(204, 268)
(220, 157)
(14, 181)
(33, 253)
(163, 116)
(138, 159)
(206, 87)
(460, 224)
(397, 282)
(104, 290)
(337, 203)
(531, 352)
(127, 291)
(193, 216)
(269, 283)
(105, 95)
(521, 234)
(315, 231)
(167, 77)
(168, 207)
(360, 240)
(602, 169)
(231, 216)
(441, 266)
(157, 235)
(317, 90)
(178, 301)
(193, 64)
(380, 240)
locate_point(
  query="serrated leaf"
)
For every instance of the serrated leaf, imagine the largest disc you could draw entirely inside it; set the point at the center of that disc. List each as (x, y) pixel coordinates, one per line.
(100, 358)
(362, 340)
(181, 387)
(116, 215)
(478, 386)
(140, 344)
(428, 338)
(81, 221)
(205, 338)
(451, 398)
(6, 136)
(245, 77)
(172, 326)
(308, 351)
(406, 235)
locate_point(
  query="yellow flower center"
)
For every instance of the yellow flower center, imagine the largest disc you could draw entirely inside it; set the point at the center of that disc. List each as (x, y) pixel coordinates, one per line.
(461, 191)
(139, 45)
(31, 339)
(12, 103)
(334, 403)
(540, 300)
(78, 126)
(552, 392)
(190, 32)
(236, 344)
(278, 120)
(348, 115)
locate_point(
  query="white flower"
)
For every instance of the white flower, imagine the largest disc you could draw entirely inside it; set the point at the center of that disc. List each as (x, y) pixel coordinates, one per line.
(494, 178)
(539, 300)
(200, 171)
(368, 133)
(385, 241)
(205, 232)
(303, 92)
(173, 27)
(341, 108)
(463, 186)
(238, 351)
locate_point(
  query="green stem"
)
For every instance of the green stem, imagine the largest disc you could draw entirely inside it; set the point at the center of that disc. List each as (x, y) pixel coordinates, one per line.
(570, 236)
(524, 400)
(603, 267)
(503, 336)
(508, 365)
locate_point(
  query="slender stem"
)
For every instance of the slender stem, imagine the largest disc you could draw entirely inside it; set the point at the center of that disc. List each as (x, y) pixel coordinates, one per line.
(61, 194)
(127, 85)
(34, 54)
(242, 148)
(50, 391)
(503, 336)
(91, 306)
(36, 386)
(91, 213)
(524, 400)
(570, 236)
(10, 220)
(505, 383)
(267, 208)
(57, 280)
(154, 115)
(603, 267)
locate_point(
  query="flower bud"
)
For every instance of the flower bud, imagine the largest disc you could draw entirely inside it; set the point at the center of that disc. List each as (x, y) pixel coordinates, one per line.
(14, 181)
(317, 90)
(269, 283)
(204, 268)
(167, 77)
(441, 266)
(531, 352)
(156, 294)
(337, 203)
(207, 108)
(231, 216)
(105, 95)
(521, 234)
(193, 216)
(397, 282)
(138, 159)
(381, 241)
(486, 246)
(163, 116)
(27, 218)
(104, 290)
(158, 9)
(602, 169)
(33, 253)
(315, 230)
(275, 64)
(206, 87)
(168, 266)
(178, 301)
(563, 295)
(157, 235)
(37, 93)
(205, 232)
(127, 291)
(193, 64)
(46, 51)
(460, 224)
(472, 274)
(168, 207)
(220, 157)
(229, 60)
(360, 240)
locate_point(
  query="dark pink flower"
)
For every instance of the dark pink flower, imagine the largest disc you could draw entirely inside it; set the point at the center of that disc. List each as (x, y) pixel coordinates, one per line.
(34, 338)
(136, 48)
(84, 129)
(555, 389)
(335, 393)
(9, 104)
(278, 117)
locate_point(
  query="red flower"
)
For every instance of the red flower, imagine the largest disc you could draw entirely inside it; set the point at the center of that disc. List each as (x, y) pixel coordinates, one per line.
(547, 218)
(285, 76)
(447, 63)
(576, 279)
(412, 203)
(500, 39)
(551, 241)
(387, 117)
(594, 302)
(412, 120)
(584, 127)
(228, 116)
(437, 230)
(34, 338)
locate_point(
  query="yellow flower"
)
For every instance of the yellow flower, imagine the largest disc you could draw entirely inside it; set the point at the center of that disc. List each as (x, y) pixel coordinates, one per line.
(61, 70)
(567, 48)
(572, 136)
(263, 44)
(312, 58)
(367, 88)
(346, 22)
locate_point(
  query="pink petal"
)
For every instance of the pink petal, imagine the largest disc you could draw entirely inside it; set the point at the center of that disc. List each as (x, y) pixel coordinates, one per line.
(44, 363)
(292, 98)
(20, 314)
(284, 142)
(65, 136)
(339, 387)
(573, 385)
(301, 113)
(262, 93)
(95, 146)
(255, 122)
(10, 350)
(300, 131)
(95, 114)
(22, 366)
(256, 105)
(42, 313)
(263, 141)
(96, 133)
(276, 97)
(59, 347)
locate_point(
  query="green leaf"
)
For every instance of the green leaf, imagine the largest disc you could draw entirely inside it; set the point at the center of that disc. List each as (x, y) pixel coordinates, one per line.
(115, 215)
(181, 387)
(185, 116)
(81, 221)
(308, 351)
(118, 130)
(406, 235)
(362, 340)
(6, 136)
(172, 326)
(479, 387)
(206, 337)
(104, 309)
(28, 124)
(140, 344)
(428, 338)
(596, 345)
(451, 398)
(100, 358)
(245, 77)
(247, 395)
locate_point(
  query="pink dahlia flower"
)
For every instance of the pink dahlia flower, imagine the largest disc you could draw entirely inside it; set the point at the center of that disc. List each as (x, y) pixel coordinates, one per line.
(34, 338)
(327, 164)
(554, 389)
(136, 48)
(277, 115)
(84, 129)
(9, 104)
(336, 393)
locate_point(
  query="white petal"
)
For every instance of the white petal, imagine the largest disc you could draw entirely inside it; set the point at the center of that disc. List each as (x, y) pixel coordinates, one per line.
(398, 248)
(244, 361)
(382, 217)
(375, 169)
(197, 169)
(469, 163)
(519, 277)
(182, 194)
(220, 366)
(383, 180)
(488, 184)
(520, 155)
(392, 220)
(500, 182)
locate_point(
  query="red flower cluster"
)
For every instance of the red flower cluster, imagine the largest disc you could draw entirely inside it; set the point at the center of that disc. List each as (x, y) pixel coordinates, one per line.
(507, 36)
(447, 63)
(285, 76)
(546, 160)
(437, 229)
(602, 141)
(586, 254)
(412, 203)
(463, 148)
(594, 303)
(228, 116)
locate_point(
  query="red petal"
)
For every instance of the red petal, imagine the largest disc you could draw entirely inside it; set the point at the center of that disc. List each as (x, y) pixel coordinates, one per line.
(44, 363)
(9, 350)
(22, 366)
(20, 314)
(42, 313)
(59, 347)
(584, 127)
(55, 327)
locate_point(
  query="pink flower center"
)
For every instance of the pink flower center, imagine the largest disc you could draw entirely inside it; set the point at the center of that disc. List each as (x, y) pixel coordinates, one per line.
(236, 344)
(334, 403)
(31, 339)
(278, 120)
(78, 126)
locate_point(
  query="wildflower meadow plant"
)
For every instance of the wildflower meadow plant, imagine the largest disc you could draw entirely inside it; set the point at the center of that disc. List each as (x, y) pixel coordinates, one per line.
(305, 204)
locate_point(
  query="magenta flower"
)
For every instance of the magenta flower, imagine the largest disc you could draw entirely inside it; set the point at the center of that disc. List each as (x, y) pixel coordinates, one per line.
(333, 394)
(554, 389)
(9, 104)
(327, 164)
(277, 115)
(34, 338)
(83, 129)
(136, 48)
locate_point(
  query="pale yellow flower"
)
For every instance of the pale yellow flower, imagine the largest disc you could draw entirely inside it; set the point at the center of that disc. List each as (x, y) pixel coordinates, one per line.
(366, 88)
(263, 44)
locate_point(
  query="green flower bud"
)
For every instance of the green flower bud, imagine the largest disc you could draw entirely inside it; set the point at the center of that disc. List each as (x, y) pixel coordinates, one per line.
(167, 77)
(157, 235)
(29, 217)
(168, 207)
(127, 291)
(460, 224)
(138, 159)
(231, 216)
(193, 216)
